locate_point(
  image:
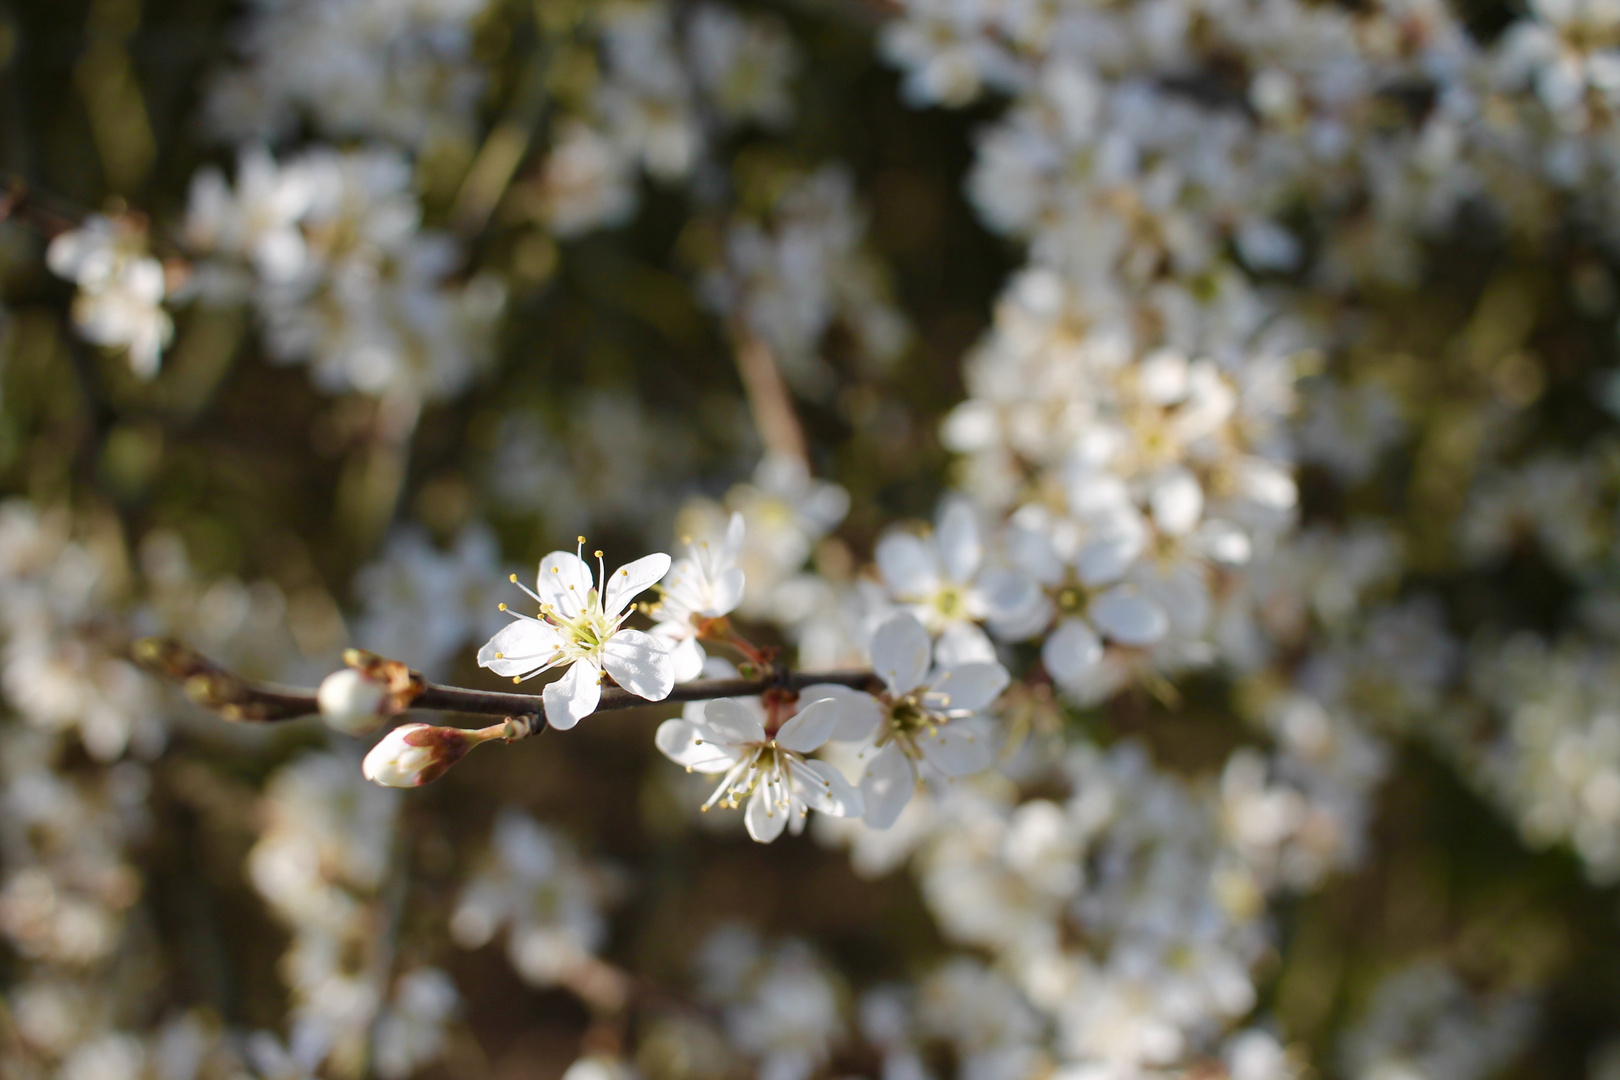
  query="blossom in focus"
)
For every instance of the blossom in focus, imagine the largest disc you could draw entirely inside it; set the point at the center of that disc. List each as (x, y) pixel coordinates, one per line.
(771, 771)
(927, 720)
(580, 625)
(415, 754)
(121, 288)
(707, 584)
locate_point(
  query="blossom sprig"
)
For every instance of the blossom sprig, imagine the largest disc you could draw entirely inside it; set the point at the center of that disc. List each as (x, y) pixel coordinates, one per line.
(234, 697)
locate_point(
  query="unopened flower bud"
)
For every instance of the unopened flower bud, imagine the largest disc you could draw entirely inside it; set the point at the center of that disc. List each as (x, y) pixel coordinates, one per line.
(352, 702)
(415, 754)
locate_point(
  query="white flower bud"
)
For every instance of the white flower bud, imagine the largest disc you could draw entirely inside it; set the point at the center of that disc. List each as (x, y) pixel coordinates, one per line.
(415, 754)
(352, 703)
(399, 761)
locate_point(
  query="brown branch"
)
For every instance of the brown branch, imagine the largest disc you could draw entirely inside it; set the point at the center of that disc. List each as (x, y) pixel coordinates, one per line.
(769, 399)
(236, 698)
(19, 203)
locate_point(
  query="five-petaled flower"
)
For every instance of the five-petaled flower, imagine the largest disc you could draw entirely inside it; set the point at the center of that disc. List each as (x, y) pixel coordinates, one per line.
(772, 772)
(927, 719)
(707, 584)
(579, 624)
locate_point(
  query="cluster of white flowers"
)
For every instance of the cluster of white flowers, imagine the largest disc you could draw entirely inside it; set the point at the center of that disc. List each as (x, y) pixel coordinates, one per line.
(61, 665)
(1555, 761)
(669, 86)
(121, 288)
(329, 247)
(418, 601)
(605, 461)
(1423, 1021)
(1213, 196)
(802, 270)
(72, 893)
(550, 901)
(323, 863)
(354, 69)
(782, 1007)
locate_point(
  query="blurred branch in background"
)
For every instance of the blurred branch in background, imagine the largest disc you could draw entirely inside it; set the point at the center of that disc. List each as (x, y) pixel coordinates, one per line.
(505, 147)
(770, 402)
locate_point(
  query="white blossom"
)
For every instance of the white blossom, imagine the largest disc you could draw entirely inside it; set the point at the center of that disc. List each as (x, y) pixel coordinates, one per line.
(706, 584)
(771, 770)
(579, 626)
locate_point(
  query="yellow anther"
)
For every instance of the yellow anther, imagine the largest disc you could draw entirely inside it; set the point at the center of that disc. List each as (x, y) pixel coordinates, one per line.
(516, 679)
(501, 606)
(598, 554)
(512, 578)
(554, 570)
(500, 656)
(581, 539)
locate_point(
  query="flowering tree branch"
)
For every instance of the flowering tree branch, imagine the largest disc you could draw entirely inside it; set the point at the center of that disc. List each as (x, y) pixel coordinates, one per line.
(239, 699)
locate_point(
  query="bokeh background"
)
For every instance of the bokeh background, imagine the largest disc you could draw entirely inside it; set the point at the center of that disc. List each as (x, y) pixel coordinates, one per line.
(441, 284)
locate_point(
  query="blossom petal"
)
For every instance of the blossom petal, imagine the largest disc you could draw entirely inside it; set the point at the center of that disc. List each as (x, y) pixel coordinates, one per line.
(971, 686)
(1008, 595)
(887, 786)
(574, 696)
(824, 789)
(908, 565)
(640, 663)
(519, 648)
(960, 748)
(1114, 546)
(1177, 501)
(732, 545)
(957, 541)
(764, 819)
(564, 582)
(633, 579)
(963, 643)
(900, 652)
(1224, 542)
(859, 713)
(683, 743)
(1071, 650)
(729, 721)
(810, 727)
(686, 655)
(727, 593)
(1128, 618)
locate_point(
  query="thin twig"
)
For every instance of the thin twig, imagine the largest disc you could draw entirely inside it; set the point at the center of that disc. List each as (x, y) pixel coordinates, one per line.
(769, 399)
(20, 204)
(236, 698)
